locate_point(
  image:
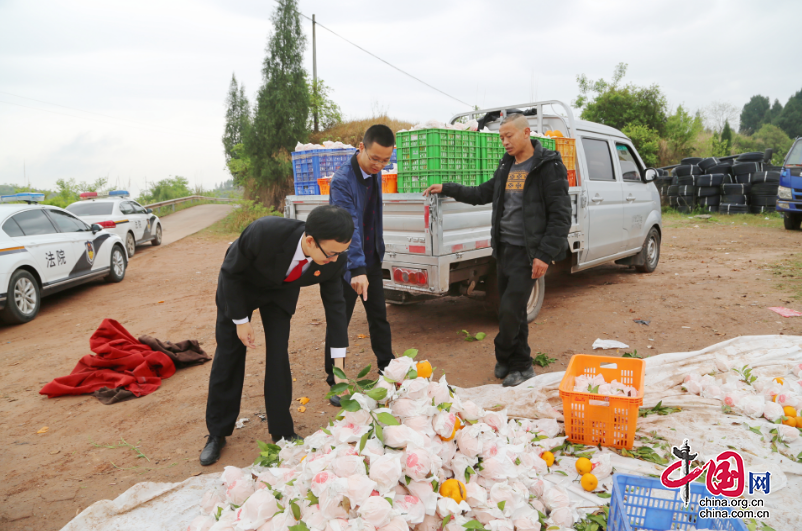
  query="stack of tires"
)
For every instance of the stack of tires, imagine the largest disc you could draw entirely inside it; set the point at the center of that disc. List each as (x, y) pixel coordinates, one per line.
(685, 180)
(708, 185)
(673, 190)
(663, 182)
(764, 191)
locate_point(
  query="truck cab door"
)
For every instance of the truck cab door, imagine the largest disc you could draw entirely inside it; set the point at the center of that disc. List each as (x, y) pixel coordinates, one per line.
(605, 201)
(638, 202)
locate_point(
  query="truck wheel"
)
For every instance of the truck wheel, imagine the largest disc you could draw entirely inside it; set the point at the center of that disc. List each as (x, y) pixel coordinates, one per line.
(533, 305)
(792, 221)
(24, 300)
(650, 252)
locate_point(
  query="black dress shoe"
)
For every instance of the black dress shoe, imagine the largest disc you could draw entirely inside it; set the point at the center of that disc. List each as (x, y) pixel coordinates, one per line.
(293, 438)
(501, 370)
(518, 377)
(335, 401)
(211, 452)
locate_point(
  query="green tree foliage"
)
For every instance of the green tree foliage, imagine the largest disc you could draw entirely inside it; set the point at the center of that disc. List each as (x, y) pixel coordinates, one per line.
(239, 166)
(681, 131)
(238, 118)
(774, 113)
(7, 189)
(646, 141)
(607, 103)
(790, 118)
(754, 114)
(166, 189)
(68, 191)
(328, 112)
(726, 136)
(769, 136)
(282, 105)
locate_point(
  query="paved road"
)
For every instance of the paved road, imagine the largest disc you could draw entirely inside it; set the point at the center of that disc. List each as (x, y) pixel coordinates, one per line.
(189, 221)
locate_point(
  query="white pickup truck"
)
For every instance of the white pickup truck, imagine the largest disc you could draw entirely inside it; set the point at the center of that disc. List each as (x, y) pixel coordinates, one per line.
(437, 247)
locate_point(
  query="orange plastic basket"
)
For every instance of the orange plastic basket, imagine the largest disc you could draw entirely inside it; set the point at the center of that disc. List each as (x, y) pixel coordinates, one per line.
(593, 419)
(389, 183)
(572, 178)
(567, 149)
(324, 185)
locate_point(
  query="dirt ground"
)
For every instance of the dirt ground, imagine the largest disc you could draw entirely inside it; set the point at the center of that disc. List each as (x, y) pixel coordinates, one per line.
(713, 283)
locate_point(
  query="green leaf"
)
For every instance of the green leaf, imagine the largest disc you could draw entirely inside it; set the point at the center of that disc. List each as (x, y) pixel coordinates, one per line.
(324, 430)
(474, 524)
(407, 479)
(560, 472)
(412, 374)
(364, 372)
(337, 389)
(502, 504)
(445, 406)
(300, 526)
(313, 500)
(632, 355)
(386, 379)
(543, 360)
(468, 472)
(296, 511)
(366, 383)
(517, 461)
(350, 405)
(387, 419)
(766, 527)
(604, 495)
(411, 353)
(363, 441)
(435, 485)
(592, 389)
(389, 500)
(480, 336)
(446, 520)
(338, 372)
(379, 393)
(377, 428)
(219, 512)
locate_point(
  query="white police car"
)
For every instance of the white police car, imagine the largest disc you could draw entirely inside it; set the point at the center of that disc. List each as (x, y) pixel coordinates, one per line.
(117, 213)
(45, 249)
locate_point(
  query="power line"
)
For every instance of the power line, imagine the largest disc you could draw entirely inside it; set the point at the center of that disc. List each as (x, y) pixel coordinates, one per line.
(382, 60)
(95, 119)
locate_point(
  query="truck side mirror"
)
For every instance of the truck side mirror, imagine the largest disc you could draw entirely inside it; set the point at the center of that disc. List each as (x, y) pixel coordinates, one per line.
(650, 175)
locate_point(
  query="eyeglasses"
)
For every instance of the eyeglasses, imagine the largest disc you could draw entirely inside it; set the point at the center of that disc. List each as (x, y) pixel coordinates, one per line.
(327, 255)
(383, 162)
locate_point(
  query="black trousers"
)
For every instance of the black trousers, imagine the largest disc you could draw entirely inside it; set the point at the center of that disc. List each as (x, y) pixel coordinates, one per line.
(515, 284)
(379, 328)
(228, 375)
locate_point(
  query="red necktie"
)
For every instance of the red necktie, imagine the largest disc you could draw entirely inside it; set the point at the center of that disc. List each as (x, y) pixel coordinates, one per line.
(295, 274)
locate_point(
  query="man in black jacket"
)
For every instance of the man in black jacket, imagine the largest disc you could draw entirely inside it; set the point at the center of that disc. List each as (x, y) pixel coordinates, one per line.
(265, 268)
(530, 224)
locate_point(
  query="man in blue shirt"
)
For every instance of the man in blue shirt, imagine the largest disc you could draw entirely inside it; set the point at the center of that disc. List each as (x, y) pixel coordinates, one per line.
(357, 187)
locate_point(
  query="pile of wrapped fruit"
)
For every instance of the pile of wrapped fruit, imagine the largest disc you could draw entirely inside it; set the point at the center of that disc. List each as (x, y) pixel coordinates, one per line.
(406, 453)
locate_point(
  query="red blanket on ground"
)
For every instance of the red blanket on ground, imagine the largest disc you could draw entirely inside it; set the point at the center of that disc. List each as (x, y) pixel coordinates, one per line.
(121, 361)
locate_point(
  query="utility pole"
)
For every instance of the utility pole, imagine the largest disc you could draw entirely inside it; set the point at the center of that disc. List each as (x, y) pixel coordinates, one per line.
(314, 73)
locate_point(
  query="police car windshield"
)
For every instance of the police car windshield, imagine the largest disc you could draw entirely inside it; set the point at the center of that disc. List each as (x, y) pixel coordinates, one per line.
(91, 209)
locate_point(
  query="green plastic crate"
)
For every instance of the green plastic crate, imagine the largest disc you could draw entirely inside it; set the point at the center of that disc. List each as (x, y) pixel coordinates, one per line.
(547, 143)
(412, 182)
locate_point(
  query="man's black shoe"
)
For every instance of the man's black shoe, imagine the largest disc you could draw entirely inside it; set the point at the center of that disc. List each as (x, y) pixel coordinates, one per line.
(335, 401)
(518, 377)
(501, 370)
(211, 452)
(293, 438)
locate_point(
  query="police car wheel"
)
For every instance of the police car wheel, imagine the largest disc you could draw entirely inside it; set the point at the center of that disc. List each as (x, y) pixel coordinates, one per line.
(157, 240)
(118, 265)
(23, 298)
(130, 244)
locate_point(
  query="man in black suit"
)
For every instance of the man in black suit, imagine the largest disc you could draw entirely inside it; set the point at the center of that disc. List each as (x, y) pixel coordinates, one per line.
(265, 268)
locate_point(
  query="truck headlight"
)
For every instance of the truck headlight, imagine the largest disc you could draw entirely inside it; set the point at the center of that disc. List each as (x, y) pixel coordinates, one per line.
(784, 193)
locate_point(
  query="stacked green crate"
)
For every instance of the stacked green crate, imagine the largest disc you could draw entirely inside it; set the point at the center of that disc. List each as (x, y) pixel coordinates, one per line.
(547, 143)
(434, 156)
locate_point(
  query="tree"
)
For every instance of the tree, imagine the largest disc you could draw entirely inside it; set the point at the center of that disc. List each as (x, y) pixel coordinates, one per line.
(768, 136)
(753, 114)
(166, 189)
(607, 103)
(726, 141)
(328, 112)
(646, 142)
(238, 118)
(790, 119)
(282, 105)
(775, 112)
(681, 131)
(718, 113)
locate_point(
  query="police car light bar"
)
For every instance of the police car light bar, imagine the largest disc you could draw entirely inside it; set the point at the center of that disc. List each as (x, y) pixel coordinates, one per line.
(118, 193)
(95, 195)
(27, 197)
(88, 195)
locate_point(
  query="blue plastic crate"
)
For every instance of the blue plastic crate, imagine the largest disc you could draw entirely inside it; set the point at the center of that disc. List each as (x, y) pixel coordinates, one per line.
(306, 166)
(303, 188)
(332, 160)
(641, 503)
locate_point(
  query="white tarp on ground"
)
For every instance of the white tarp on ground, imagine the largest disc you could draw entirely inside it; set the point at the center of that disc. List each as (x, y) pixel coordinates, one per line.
(171, 506)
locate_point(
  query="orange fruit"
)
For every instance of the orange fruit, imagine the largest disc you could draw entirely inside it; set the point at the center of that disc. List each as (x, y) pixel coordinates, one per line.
(789, 411)
(548, 457)
(583, 466)
(454, 489)
(457, 427)
(424, 369)
(791, 421)
(779, 380)
(589, 482)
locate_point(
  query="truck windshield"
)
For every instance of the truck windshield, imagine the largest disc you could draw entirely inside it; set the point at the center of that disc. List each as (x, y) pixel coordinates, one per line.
(795, 155)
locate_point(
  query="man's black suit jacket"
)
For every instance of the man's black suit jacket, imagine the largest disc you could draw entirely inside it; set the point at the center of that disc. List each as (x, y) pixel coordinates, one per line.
(255, 267)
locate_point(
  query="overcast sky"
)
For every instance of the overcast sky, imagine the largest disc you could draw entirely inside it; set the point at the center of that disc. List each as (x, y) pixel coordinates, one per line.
(155, 74)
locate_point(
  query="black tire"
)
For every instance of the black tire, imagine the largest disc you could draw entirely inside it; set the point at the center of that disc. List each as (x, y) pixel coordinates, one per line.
(674, 180)
(673, 201)
(650, 252)
(721, 167)
(130, 244)
(686, 180)
(533, 305)
(735, 189)
(686, 190)
(24, 298)
(708, 191)
(711, 208)
(157, 240)
(754, 156)
(726, 208)
(733, 199)
(691, 160)
(711, 200)
(118, 263)
(707, 163)
(673, 190)
(741, 168)
(763, 200)
(792, 221)
(714, 179)
(744, 178)
(766, 177)
(685, 209)
(686, 201)
(756, 209)
(689, 169)
(765, 189)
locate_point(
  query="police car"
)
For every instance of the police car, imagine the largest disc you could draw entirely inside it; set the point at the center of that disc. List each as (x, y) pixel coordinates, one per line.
(45, 249)
(117, 213)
